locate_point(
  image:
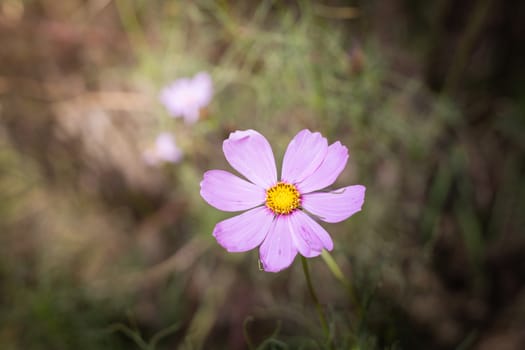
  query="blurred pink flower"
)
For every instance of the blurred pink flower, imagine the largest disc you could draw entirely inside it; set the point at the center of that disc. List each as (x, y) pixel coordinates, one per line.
(186, 97)
(276, 216)
(164, 150)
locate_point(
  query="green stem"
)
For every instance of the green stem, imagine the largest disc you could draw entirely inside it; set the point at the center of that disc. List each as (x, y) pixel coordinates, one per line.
(318, 306)
(162, 334)
(338, 274)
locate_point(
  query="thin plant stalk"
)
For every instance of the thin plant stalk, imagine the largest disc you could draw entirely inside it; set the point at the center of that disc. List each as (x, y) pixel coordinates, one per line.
(338, 274)
(318, 306)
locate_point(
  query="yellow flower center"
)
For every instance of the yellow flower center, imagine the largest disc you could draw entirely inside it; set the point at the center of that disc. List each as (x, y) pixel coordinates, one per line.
(283, 198)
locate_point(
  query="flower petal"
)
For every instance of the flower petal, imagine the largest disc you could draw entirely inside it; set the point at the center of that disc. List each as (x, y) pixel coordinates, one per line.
(187, 96)
(303, 156)
(336, 205)
(202, 89)
(166, 148)
(191, 114)
(250, 154)
(228, 192)
(326, 174)
(308, 236)
(245, 231)
(278, 250)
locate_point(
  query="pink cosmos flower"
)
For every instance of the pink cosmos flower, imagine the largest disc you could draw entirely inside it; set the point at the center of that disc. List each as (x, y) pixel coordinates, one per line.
(280, 214)
(165, 150)
(186, 97)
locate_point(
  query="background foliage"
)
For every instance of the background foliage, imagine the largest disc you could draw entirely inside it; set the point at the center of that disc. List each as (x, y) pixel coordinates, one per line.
(101, 251)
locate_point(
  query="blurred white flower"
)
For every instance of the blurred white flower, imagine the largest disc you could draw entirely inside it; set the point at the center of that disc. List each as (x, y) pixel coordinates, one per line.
(186, 97)
(164, 150)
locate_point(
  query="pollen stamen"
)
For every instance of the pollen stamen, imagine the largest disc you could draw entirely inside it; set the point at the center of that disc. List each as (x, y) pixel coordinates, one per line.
(283, 198)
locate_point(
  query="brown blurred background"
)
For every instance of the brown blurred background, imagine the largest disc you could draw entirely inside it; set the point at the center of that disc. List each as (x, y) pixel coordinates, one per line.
(101, 250)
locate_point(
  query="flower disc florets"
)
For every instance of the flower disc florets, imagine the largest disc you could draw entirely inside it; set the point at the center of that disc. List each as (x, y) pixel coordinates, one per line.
(283, 198)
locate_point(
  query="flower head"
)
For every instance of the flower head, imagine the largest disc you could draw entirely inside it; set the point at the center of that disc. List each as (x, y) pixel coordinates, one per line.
(165, 150)
(186, 97)
(280, 213)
